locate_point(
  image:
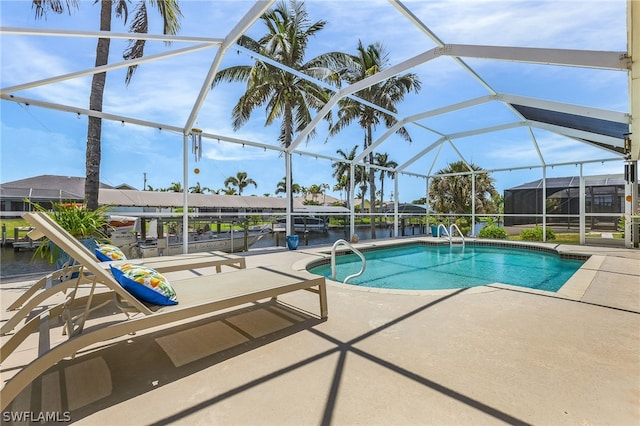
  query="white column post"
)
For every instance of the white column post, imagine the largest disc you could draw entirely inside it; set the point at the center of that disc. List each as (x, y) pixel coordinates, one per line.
(352, 212)
(473, 204)
(185, 198)
(544, 203)
(583, 210)
(395, 207)
(289, 230)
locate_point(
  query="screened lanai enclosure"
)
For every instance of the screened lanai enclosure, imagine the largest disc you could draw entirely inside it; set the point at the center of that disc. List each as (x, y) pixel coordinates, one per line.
(524, 94)
(604, 201)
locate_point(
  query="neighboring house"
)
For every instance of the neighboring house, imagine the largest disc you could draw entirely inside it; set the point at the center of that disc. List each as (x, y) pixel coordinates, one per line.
(602, 195)
(44, 190)
(124, 199)
(320, 199)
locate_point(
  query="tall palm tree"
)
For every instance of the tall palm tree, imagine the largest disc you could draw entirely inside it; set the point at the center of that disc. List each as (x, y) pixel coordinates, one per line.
(240, 181)
(323, 189)
(341, 185)
(361, 177)
(382, 160)
(452, 194)
(285, 96)
(342, 170)
(170, 13)
(386, 94)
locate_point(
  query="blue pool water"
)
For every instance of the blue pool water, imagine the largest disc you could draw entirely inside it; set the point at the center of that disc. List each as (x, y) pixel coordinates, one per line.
(423, 267)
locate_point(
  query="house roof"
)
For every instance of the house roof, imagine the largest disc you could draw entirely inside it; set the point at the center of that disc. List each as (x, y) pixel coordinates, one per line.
(129, 198)
(570, 182)
(49, 187)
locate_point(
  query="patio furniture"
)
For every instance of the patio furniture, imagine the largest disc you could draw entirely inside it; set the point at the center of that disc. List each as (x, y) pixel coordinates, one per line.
(72, 274)
(196, 296)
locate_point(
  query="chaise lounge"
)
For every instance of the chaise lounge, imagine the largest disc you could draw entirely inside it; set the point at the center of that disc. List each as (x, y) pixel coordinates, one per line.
(60, 280)
(196, 296)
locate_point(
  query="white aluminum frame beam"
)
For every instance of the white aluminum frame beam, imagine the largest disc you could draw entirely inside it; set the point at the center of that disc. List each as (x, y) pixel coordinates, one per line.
(108, 34)
(564, 57)
(91, 113)
(105, 68)
(579, 134)
(602, 114)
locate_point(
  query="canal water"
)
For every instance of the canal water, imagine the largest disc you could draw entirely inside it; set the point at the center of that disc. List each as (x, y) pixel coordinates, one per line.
(23, 262)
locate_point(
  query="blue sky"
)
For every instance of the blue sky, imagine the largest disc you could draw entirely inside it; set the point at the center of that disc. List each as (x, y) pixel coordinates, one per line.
(37, 141)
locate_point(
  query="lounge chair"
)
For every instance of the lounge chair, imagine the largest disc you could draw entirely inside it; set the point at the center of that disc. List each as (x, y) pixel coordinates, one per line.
(163, 264)
(196, 296)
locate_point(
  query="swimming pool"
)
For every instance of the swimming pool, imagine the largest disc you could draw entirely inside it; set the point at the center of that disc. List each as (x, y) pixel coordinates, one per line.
(433, 267)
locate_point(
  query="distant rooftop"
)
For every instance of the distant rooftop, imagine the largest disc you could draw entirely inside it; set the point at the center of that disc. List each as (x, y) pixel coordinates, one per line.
(571, 182)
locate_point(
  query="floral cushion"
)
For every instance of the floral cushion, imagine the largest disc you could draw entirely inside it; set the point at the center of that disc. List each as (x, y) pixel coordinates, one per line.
(107, 252)
(146, 284)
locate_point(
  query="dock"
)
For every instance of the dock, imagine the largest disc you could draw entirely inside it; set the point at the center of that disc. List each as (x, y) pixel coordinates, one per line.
(17, 242)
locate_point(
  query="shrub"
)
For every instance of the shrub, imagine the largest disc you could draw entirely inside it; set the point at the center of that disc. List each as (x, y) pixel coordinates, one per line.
(464, 225)
(493, 231)
(535, 234)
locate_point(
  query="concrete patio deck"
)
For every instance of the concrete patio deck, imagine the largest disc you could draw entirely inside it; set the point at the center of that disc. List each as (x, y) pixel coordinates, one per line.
(489, 355)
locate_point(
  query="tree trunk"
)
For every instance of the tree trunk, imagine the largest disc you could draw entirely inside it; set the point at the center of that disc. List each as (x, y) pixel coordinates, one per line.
(288, 137)
(94, 131)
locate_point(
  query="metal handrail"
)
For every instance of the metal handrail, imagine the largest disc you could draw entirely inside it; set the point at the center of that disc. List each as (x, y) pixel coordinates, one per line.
(453, 227)
(333, 260)
(444, 229)
(449, 232)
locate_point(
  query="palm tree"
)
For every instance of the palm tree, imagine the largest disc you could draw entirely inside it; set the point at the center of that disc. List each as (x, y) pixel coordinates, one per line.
(382, 160)
(240, 181)
(170, 13)
(282, 187)
(230, 190)
(197, 189)
(284, 95)
(315, 190)
(361, 178)
(323, 189)
(452, 194)
(342, 170)
(175, 187)
(341, 185)
(386, 94)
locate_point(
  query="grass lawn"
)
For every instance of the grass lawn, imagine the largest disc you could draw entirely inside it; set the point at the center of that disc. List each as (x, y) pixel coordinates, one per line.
(570, 238)
(11, 224)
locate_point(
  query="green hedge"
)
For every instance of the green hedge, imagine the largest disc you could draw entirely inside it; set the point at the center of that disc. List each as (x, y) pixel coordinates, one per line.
(493, 231)
(535, 234)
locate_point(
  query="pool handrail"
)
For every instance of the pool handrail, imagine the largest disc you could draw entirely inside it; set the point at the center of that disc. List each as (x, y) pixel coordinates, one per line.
(444, 229)
(448, 233)
(452, 228)
(333, 260)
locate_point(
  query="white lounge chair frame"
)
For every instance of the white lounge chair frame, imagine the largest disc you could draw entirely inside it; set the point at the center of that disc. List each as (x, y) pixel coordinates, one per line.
(197, 296)
(30, 299)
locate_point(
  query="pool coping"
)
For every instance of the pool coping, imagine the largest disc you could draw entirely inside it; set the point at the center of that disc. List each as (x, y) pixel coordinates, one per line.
(574, 289)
